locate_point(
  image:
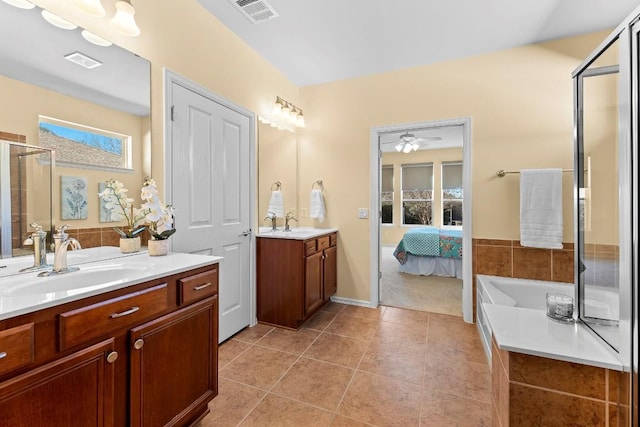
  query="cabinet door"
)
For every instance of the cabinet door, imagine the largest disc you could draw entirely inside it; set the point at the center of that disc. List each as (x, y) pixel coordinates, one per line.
(174, 366)
(313, 283)
(76, 390)
(330, 272)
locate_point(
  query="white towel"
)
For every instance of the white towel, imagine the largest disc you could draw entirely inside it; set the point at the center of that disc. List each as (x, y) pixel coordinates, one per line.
(316, 207)
(276, 204)
(541, 208)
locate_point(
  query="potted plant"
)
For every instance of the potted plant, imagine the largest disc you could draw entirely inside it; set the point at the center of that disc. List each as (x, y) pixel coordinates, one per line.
(159, 217)
(121, 207)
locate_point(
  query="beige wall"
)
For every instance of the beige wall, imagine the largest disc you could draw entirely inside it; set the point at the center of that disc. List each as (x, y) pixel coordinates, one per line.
(185, 38)
(519, 100)
(23, 103)
(520, 104)
(391, 234)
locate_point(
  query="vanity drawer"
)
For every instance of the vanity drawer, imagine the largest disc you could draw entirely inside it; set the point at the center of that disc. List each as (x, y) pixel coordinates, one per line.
(323, 243)
(310, 247)
(87, 323)
(16, 347)
(198, 286)
(333, 239)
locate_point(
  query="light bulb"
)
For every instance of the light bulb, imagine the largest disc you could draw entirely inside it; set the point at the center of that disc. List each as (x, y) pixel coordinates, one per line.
(415, 146)
(123, 21)
(91, 7)
(285, 111)
(97, 40)
(300, 121)
(56, 21)
(22, 4)
(399, 147)
(407, 148)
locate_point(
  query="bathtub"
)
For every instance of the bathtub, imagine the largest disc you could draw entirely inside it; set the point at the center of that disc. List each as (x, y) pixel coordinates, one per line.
(515, 293)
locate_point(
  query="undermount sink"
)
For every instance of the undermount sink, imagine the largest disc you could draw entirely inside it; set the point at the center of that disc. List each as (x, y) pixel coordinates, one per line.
(86, 278)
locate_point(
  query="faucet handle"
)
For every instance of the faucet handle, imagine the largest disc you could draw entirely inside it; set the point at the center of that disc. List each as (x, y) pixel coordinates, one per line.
(37, 227)
(60, 232)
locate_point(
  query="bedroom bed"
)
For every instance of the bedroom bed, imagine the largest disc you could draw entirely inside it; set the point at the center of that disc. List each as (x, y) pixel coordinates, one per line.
(430, 251)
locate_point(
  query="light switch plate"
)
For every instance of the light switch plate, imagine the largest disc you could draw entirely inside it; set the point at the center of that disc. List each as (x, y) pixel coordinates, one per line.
(363, 213)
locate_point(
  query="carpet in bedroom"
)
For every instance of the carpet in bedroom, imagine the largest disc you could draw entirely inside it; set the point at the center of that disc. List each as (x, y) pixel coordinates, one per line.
(426, 293)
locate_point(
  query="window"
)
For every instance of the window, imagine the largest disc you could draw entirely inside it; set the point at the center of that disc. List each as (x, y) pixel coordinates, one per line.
(386, 197)
(85, 146)
(417, 194)
(452, 193)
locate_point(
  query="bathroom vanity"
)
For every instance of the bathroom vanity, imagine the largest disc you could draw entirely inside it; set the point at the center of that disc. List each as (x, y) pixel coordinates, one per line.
(140, 349)
(296, 274)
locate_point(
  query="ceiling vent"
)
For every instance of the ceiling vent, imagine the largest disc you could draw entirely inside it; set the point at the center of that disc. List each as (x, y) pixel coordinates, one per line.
(256, 10)
(83, 60)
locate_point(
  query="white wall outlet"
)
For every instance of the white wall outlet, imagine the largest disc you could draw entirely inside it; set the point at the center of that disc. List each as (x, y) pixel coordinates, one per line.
(363, 213)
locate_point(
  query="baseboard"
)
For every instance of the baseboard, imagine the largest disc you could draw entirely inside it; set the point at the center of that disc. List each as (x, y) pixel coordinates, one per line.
(350, 301)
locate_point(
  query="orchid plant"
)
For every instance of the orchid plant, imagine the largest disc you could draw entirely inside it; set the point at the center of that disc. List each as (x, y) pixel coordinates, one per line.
(158, 215)
(121, 207)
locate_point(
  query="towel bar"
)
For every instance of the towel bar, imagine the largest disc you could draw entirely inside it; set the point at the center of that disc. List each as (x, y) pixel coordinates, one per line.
(502, 172)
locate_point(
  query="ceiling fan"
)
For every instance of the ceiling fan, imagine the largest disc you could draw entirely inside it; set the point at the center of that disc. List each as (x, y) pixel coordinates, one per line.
(409, 142)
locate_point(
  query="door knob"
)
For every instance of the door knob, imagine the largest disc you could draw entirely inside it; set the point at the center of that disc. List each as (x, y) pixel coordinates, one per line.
(245, 233)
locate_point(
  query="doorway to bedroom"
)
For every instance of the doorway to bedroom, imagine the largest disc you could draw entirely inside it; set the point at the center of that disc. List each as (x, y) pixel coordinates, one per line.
(421, 225)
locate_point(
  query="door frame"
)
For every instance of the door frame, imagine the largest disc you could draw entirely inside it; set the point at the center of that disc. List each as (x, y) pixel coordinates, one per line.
(374, 225)
(171, 78)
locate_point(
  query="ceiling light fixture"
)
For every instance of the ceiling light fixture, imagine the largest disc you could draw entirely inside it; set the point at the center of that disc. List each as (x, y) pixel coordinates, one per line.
(97, 40)
(91, 7)
(408, 142)
(22, 4)
(123, 21)
(56, 21)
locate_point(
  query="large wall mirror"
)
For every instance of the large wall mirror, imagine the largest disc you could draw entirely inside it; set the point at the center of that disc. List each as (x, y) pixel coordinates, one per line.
(277, 162)
(599, 224)
(105, 92)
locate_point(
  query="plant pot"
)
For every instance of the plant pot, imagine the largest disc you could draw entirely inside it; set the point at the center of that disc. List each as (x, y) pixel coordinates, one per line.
(130, 245)
(158, 247)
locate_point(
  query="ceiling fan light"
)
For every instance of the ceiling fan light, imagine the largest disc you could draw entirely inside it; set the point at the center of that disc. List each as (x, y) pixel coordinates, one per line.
(415, 146)
(56, 21)
(407, 148)
(399, 147)
(22, 4)
(123, 21)
(91, 7)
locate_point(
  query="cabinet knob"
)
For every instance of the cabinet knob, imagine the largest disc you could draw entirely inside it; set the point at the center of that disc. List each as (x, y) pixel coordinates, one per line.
(138, 344)
(112, 357)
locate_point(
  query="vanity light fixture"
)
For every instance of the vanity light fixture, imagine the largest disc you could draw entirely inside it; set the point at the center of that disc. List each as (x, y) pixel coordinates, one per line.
(287, 112)
(22, 4)
(56, 21)
(123, 21)
(97, 40)
(91, 7)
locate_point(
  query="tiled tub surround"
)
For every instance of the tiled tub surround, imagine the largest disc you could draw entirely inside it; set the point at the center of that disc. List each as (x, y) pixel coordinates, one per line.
(546, 372)
(537, 391)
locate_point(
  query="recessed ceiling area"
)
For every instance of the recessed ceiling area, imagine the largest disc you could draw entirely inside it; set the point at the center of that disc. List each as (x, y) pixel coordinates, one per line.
(319, 41)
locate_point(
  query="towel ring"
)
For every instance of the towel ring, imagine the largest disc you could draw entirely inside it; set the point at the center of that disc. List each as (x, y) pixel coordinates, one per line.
(318, 183)
(276, 184)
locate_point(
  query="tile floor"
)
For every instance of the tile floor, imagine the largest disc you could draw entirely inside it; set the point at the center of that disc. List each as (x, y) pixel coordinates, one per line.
(355, 366)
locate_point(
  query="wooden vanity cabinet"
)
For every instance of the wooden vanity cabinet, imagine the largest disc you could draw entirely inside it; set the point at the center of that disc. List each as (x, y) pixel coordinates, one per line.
(143, 355)
(294, 278)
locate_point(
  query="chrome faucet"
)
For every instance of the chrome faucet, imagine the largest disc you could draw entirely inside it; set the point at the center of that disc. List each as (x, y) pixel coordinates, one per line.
(62, 243)
(273, 218)
(39, 241)
(288, 217)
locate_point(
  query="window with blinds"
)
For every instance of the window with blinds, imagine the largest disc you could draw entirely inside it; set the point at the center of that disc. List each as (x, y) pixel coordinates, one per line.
(386, 196)
(417, 194)
(452, 193)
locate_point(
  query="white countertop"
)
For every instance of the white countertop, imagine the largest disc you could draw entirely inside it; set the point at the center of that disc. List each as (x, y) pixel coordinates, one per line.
(530, 331)
(99, 273)
(297, 233)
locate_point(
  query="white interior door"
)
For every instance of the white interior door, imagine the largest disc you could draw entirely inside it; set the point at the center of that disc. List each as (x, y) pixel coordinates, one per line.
(210, 181)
